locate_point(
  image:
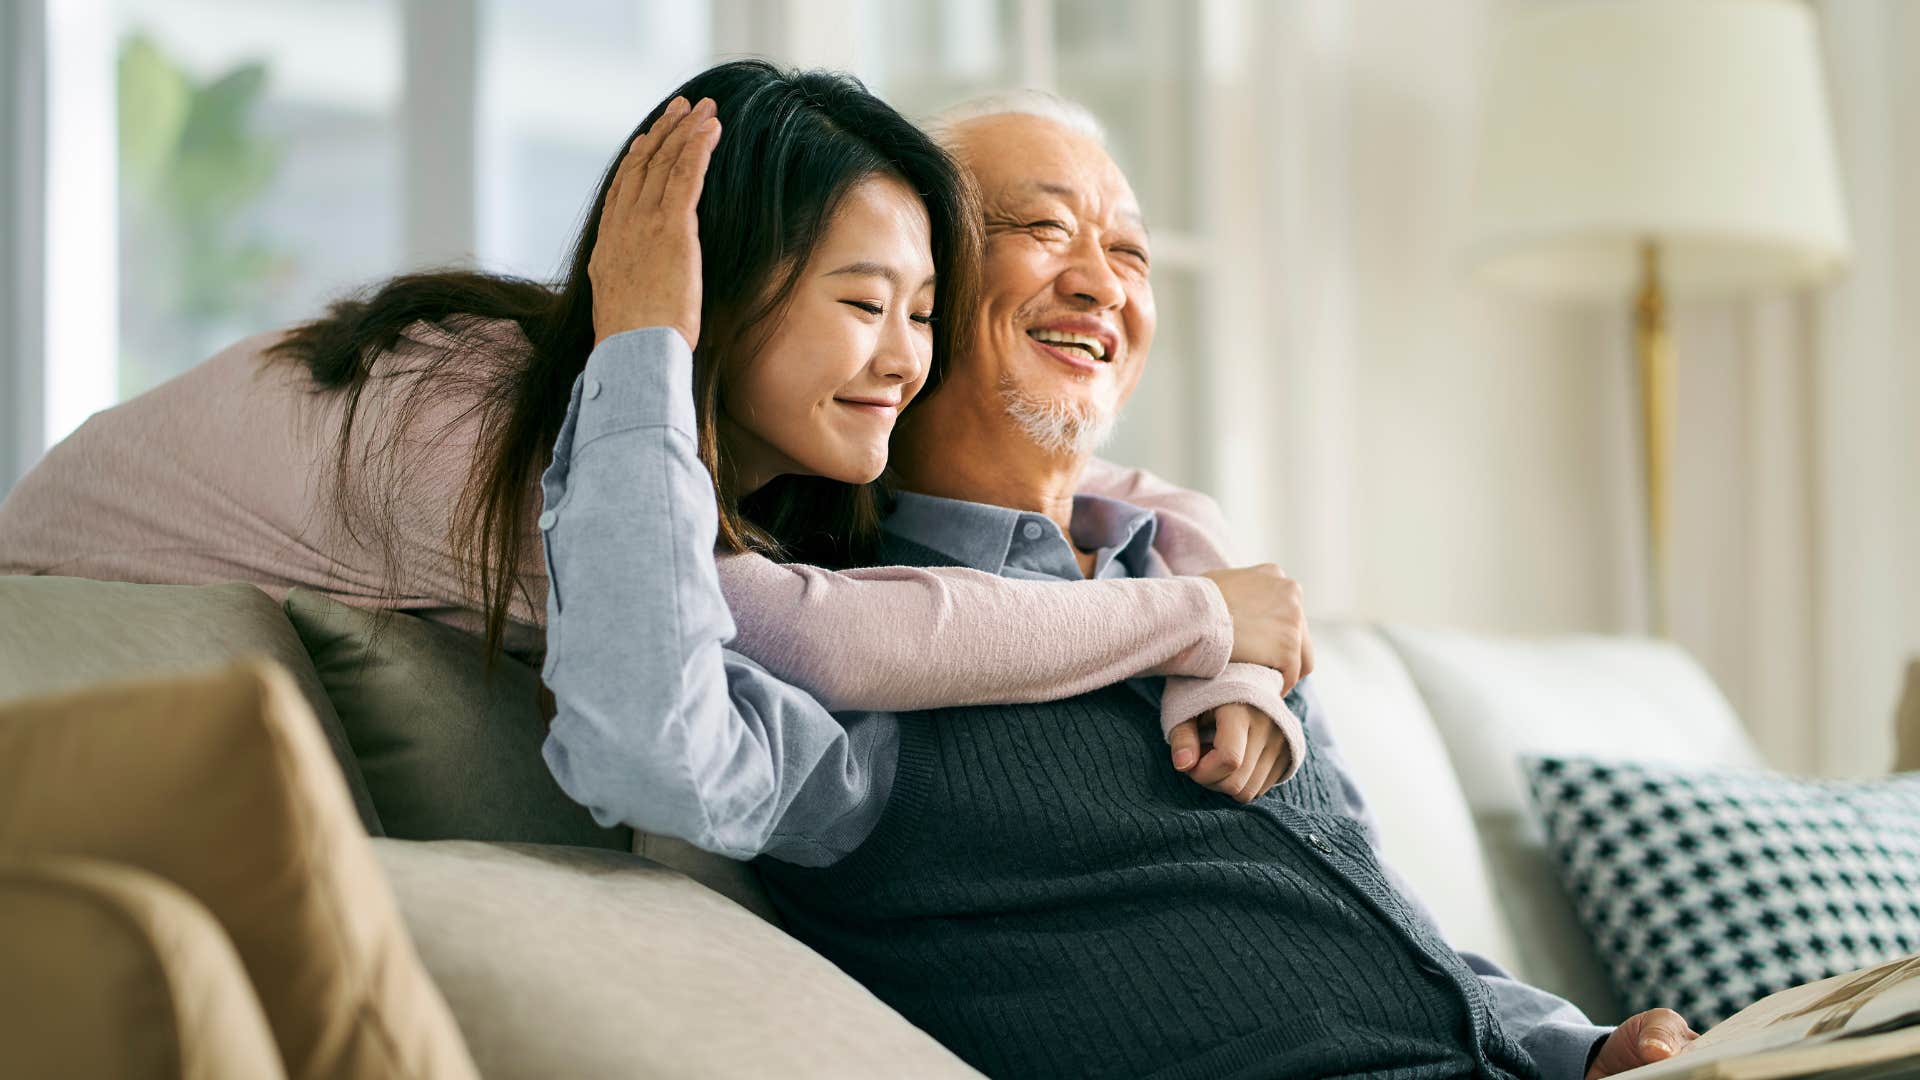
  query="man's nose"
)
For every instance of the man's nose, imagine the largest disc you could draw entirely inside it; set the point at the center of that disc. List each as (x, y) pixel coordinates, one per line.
(1089, 278)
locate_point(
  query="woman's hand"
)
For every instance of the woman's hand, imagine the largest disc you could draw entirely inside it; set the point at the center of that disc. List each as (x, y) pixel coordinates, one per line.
(645, 265)
(1247, 757)
(1269, 619)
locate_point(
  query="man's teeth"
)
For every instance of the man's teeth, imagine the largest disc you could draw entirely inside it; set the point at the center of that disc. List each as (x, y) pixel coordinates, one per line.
(1061, 337)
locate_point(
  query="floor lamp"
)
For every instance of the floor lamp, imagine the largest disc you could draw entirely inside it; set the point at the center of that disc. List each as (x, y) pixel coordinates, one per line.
(1637, 148)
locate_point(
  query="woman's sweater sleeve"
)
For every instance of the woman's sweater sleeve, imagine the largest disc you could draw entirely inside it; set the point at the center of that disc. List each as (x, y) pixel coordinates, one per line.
(897, 638)
(1191, 539)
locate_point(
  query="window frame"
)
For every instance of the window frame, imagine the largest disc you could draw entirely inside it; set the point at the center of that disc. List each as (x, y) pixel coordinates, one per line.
(22, 236)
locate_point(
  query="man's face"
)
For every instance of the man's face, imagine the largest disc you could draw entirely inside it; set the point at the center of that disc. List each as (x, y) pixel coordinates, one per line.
(1066, 314)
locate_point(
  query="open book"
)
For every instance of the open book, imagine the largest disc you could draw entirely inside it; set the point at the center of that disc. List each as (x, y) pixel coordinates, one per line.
(1857, 1026)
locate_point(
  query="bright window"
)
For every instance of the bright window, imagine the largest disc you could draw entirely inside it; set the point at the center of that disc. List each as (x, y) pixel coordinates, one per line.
(218, 168)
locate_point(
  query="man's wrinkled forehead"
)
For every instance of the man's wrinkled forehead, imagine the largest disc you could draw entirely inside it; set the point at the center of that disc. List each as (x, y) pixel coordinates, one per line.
(1127, 210)
(1016, 157)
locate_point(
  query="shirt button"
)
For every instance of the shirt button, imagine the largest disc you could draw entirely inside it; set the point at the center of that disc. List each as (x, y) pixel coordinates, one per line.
(547, 518)
(1032, 530)
(593, 388)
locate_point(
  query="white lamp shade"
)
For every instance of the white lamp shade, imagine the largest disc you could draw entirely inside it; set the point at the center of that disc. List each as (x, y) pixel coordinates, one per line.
(1699, 124)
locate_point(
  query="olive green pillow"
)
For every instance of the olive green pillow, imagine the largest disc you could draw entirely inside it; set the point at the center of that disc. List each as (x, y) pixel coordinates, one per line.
(449, 752)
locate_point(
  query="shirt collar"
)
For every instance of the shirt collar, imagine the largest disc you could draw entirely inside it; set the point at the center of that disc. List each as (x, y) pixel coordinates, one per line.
(989, 538)
(1119, 531)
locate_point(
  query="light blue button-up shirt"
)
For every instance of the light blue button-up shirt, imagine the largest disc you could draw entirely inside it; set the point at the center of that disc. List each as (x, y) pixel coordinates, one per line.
(660, 726)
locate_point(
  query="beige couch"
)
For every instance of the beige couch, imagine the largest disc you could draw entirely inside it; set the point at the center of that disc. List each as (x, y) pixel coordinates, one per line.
(569, 961)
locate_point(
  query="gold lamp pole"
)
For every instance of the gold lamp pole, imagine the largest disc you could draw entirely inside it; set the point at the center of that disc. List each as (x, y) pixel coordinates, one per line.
(1610, 138)
(1656, 402)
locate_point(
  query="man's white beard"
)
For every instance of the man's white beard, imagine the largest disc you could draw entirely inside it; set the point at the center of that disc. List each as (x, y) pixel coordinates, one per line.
(1059, 427)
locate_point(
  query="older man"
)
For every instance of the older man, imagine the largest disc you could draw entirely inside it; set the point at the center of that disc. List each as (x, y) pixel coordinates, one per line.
(1031, 883)
(1063, 334)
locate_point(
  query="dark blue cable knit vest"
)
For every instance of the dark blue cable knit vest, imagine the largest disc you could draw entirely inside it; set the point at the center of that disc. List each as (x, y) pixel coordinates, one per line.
(1048, 898)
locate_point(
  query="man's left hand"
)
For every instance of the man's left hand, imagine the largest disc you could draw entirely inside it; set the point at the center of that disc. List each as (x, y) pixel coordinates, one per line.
(1654, 1035)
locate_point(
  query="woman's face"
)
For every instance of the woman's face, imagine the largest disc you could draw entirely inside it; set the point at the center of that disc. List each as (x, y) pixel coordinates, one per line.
(852, 348)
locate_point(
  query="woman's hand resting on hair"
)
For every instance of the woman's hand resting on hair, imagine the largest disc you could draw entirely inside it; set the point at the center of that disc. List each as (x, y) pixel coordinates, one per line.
(645, 266)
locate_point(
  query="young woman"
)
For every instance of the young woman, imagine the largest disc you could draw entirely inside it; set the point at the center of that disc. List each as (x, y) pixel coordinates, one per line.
(387, 454)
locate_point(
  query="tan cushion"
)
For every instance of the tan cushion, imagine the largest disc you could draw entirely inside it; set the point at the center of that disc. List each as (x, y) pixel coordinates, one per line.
(735, 880)
(222, 784)
(571, 962)
(65, 633)
(110, 972)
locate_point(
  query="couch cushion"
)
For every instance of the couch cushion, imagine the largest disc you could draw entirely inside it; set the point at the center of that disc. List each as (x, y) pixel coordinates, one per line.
(1426, 831)
(1495, 699)
(449, 751)
(580, 963)
(1707, 890)
(222, 785)
(65, 633)
(112, 972)
(735, 880)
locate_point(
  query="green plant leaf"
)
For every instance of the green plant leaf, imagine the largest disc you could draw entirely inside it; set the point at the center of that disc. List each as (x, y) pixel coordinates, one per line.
(222, 109)
(154, 99)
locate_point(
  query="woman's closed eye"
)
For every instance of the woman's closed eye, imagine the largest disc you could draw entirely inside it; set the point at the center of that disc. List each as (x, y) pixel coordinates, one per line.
(877, 310)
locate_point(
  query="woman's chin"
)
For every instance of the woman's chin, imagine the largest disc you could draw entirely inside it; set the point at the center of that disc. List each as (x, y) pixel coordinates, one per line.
(862, 470)
(862, 476)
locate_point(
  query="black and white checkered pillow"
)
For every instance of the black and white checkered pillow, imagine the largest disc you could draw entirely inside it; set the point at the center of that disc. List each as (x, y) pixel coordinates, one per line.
(1705, 891)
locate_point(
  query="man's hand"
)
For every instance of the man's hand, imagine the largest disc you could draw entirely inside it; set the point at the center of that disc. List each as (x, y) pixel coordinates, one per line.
(1236, 750)
(1654, 1035)
(1269, 619)
(645, 266)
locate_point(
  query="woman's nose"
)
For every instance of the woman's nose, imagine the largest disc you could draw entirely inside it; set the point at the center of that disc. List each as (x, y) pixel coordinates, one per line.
(900, 354)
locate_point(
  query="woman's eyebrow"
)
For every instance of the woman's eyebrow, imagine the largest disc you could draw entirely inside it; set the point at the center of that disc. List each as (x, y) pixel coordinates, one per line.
(874, 269)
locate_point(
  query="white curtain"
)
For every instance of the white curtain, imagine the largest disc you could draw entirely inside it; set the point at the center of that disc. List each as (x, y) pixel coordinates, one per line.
(1416, 448)
(1797, 485)
(1800, 491)
(1409, 445)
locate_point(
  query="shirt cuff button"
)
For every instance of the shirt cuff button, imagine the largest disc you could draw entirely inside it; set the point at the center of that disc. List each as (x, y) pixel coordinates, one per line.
(547, 518)
(1032, 530)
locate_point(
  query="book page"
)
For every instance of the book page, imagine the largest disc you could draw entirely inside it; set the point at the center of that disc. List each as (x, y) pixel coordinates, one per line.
(1804, 1016)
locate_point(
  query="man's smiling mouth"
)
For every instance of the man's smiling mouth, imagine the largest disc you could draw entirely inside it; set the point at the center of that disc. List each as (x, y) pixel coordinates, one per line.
(1062, 339)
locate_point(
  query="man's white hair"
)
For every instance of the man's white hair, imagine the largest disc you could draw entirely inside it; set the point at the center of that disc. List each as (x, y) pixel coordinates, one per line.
(1067, 113)
(1060, 427)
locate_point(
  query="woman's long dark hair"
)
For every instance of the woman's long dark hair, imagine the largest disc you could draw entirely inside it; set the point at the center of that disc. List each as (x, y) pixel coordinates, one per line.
(792, 144)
